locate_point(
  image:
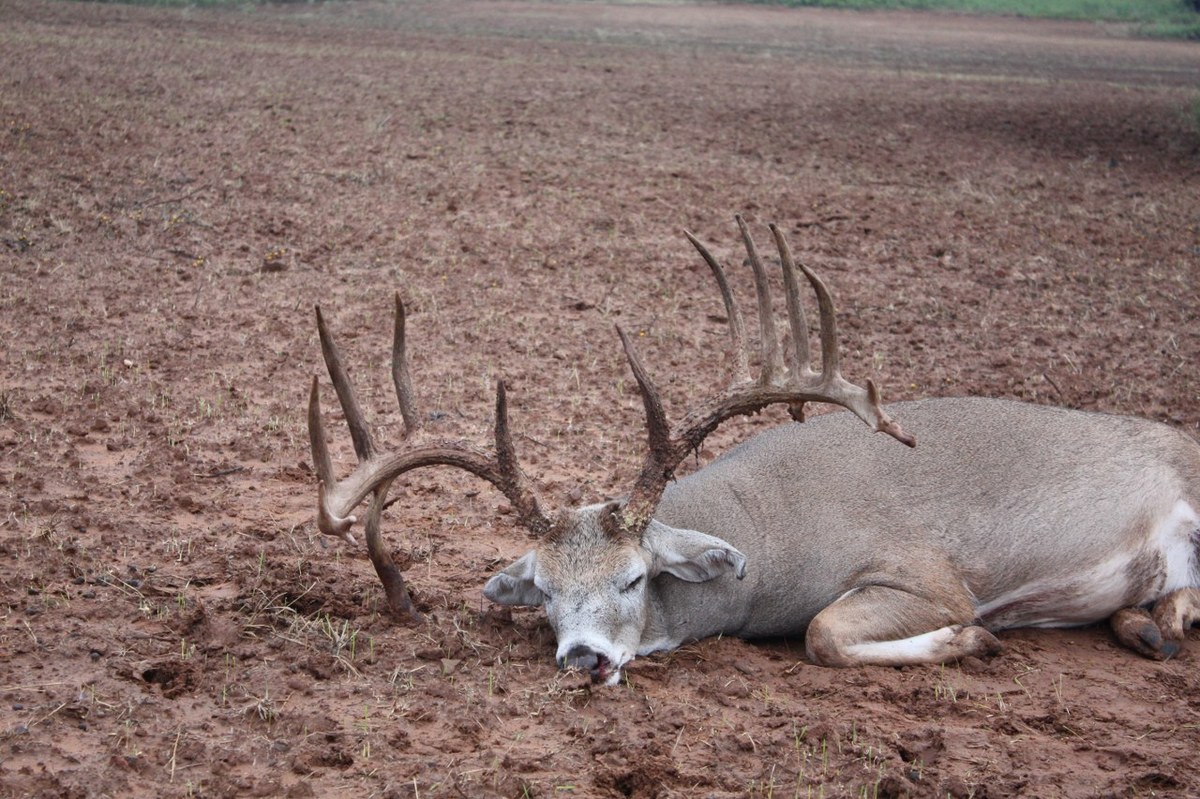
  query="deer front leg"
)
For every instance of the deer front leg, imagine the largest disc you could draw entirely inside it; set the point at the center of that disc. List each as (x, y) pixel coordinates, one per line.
(878, 625)
(1157, 633)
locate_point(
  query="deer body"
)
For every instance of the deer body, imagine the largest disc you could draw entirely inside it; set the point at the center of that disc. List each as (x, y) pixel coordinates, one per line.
(1008, 514)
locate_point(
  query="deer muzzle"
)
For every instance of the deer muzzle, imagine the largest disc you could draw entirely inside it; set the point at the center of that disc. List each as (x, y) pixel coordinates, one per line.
(584, 658)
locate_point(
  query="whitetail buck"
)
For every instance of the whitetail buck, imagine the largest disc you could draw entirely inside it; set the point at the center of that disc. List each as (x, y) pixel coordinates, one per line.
(1008, 515)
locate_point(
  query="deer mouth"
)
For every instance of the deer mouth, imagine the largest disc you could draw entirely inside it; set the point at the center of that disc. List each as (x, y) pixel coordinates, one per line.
(604, 672)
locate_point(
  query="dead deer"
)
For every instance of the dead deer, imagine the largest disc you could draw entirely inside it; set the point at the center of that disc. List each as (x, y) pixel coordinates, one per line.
(1008, 515)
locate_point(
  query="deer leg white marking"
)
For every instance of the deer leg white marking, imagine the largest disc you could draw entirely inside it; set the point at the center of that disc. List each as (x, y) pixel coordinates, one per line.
(939, 646)
(887, 626)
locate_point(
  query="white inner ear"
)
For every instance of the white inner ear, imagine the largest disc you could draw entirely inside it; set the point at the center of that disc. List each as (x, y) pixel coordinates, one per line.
(690, 555)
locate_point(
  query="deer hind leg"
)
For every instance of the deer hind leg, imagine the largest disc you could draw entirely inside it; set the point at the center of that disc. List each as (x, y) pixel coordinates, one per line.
(1157, 633)
(877, 625)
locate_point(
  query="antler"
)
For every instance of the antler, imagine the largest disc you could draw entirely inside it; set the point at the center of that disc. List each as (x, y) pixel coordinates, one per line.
(792, 385)
(375, 471)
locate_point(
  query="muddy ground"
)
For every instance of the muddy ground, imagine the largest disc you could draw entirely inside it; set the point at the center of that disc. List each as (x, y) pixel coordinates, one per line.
(1003, 207)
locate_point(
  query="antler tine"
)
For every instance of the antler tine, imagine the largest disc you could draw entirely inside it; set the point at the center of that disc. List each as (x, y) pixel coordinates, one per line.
(737, 325)
(316, 434)
(864, 403)
(830, 359)
(328, 523)
(393, 581)
(797, 320)
(771, 362)
(400, 377)
(657, 427)
(360, 431)
(883, 422)
(660, 458)
(510, 481)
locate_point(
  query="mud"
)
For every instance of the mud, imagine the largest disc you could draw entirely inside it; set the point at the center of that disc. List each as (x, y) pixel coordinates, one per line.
(1002, 207)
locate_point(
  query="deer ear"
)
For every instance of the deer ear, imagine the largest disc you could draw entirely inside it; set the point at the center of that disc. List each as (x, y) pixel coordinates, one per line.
(690, 555)
(514, 585)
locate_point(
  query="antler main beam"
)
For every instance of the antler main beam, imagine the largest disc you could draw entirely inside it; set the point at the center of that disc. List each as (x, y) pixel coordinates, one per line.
(376, 471)
(791, 385)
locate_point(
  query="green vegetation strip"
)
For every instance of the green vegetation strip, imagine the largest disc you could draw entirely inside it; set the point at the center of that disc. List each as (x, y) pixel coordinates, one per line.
(1174, 18)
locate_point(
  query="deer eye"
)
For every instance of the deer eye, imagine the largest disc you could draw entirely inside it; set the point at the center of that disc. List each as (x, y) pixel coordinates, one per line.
(633, 584)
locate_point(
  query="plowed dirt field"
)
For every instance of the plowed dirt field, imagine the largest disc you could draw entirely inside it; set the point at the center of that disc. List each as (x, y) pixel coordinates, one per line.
(1001, 207)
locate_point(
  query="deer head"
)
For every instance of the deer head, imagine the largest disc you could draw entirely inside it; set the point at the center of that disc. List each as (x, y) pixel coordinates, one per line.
(592, 567)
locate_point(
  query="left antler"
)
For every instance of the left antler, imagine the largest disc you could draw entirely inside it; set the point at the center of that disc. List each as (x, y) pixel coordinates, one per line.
(376, 471)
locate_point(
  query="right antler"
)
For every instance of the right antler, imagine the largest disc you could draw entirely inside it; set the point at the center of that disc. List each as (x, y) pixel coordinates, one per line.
(375, 472)
(792, 385)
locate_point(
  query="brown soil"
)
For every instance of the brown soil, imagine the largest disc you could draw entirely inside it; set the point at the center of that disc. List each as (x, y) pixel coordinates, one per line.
(1003, 207)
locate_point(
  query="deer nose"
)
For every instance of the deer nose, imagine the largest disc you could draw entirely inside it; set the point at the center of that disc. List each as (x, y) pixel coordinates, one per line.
(580, 657)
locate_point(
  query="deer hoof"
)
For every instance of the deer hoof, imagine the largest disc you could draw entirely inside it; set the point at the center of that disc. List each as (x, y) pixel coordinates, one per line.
(1136, 629)
(973, 640)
